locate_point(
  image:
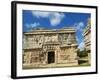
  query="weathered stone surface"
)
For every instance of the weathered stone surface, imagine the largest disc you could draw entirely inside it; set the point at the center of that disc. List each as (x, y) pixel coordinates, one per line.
(87, 39)
(43, 47)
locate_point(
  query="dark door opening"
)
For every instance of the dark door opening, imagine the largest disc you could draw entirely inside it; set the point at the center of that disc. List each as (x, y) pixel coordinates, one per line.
(51, 57)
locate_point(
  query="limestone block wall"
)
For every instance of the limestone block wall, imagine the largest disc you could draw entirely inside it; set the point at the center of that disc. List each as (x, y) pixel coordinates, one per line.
(26, 57)
(67, 55)
(37, 45)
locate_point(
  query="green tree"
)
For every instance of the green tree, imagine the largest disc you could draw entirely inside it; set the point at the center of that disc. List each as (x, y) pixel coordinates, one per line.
(82, 53)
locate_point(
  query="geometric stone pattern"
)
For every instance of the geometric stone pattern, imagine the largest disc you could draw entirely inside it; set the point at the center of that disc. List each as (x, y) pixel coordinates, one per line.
(42, 47)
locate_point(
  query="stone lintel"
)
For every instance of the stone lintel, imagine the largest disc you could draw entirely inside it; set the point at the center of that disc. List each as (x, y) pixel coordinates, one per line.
(50, 31)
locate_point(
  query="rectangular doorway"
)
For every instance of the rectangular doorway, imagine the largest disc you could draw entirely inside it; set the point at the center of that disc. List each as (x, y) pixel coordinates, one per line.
(51, 57)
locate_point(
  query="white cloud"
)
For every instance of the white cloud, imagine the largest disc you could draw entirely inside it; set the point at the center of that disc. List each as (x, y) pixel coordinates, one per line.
(81, 45)
(35, 24)
(54, 17)
(79, 26)
(77, 39)
(39, 14)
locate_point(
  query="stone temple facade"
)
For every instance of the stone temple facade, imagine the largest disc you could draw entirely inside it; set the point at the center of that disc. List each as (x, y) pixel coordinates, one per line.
(87, 39)
(43, 47)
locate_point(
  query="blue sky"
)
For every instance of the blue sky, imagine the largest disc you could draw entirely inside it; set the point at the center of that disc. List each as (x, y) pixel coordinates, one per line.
(56, 20)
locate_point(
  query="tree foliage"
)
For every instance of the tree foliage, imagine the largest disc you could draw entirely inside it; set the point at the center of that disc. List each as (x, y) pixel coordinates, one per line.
(82, 53)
